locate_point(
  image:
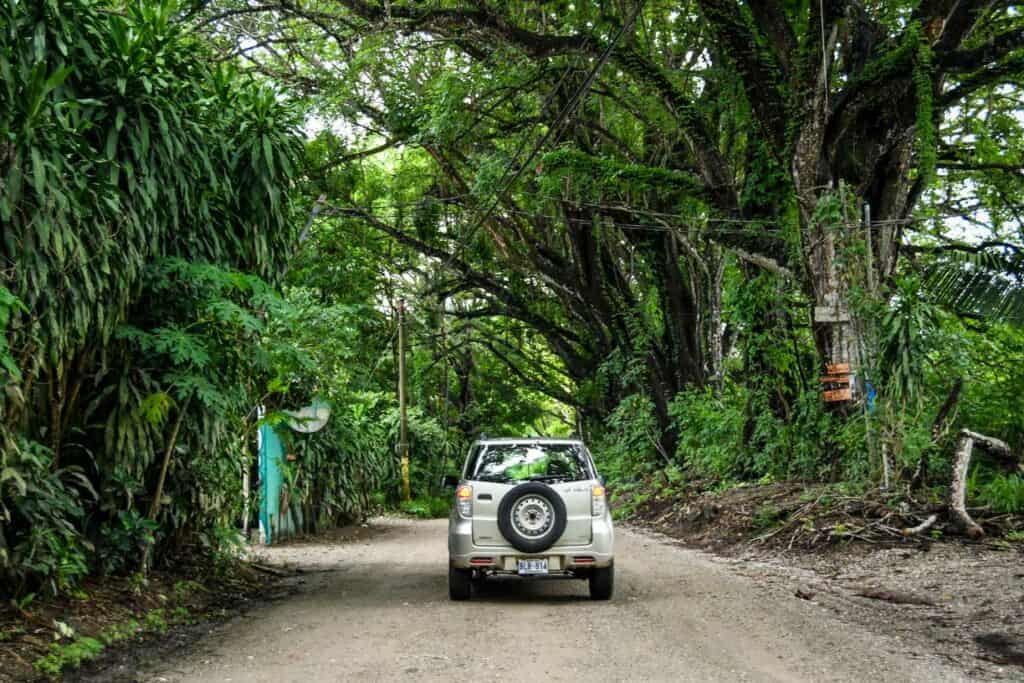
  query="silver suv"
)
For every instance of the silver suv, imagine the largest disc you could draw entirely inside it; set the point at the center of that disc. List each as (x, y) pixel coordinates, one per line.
(532, 508)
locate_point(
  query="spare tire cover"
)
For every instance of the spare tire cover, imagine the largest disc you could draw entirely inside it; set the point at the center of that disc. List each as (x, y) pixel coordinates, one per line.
(532, 517)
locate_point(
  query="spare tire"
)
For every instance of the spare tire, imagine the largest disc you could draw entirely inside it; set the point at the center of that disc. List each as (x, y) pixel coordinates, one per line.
(532, 517)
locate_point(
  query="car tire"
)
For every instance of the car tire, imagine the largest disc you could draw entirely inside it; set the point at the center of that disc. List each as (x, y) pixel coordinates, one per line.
(602, 583)
(519, 541)
(460, 582)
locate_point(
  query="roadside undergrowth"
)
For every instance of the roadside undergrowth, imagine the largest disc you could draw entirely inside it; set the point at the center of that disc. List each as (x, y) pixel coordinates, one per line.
(793, 515)
(43, 639)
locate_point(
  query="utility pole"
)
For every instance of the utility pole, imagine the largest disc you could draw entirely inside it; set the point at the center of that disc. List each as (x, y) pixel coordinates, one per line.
(868, 340)
(403, 434)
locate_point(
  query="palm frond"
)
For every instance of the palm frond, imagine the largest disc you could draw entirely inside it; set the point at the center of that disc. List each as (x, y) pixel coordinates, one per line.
(986, 284)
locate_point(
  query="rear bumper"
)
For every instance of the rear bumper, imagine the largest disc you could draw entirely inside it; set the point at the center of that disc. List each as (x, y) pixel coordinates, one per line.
(464, 554)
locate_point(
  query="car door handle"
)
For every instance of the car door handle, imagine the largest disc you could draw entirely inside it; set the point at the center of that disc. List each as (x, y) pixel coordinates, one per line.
(484, 496)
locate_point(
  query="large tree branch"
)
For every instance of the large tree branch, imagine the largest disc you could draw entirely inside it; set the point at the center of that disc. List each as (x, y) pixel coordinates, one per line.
(462, 22)
(355, 156)
(455, 21)
(770, 18)
(563, 341)
(962, 247)
(760, 74)
(958, 23)
(958, 165)
(554, 392)
(764, 262)
(1006, 71)
(970, 60)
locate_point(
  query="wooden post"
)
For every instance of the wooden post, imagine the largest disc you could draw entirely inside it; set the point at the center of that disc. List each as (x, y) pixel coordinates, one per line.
(870, 249)
(403, 434)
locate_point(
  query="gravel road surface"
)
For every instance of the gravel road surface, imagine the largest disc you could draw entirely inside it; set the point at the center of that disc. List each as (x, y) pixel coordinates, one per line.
(376, 608)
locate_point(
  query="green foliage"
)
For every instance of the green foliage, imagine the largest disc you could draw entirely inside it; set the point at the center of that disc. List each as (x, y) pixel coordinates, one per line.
(711, 430)
(8, 305)
(143, 194)
(1004, 493)
(120, 632)
(988, 284)
(768, 516)
(68, 656)
(48, 504)
(156, 621)
(904, 340)
(628, 444)
(927, 141)
(223, 545)
(123, 540)
(594, 178)
(427, 507)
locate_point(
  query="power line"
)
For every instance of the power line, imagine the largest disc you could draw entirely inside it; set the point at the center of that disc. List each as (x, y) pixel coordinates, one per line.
(760, 224)
(718, 225)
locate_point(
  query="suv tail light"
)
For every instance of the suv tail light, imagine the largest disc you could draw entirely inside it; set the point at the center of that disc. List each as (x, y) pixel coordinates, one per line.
(464, 500)
(598, 502)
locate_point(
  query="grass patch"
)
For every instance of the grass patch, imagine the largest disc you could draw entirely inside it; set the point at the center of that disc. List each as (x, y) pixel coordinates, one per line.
(1004, 494)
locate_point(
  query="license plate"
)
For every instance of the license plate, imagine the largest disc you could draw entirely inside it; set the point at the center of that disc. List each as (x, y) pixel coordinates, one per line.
(533, 566)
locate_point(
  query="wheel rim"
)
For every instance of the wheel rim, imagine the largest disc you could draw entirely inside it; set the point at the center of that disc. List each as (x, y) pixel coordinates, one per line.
(532, 516)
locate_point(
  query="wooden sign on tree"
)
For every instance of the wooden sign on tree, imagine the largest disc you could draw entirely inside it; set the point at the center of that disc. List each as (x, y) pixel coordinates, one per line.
(836, 383)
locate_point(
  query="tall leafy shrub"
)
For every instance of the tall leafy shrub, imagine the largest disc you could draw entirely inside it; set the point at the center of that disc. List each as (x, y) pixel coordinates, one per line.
(125, 155)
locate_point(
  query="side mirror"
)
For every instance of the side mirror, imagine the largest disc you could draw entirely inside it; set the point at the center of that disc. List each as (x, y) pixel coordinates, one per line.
(449, 481)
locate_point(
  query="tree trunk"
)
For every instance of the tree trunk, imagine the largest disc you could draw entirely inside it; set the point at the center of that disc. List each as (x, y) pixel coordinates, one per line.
(715, 331)
(154, 506)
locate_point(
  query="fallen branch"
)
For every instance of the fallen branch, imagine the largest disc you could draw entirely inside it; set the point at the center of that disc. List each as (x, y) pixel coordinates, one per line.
(270, 570)
(920, 528)
(895, 597)
(961, 463)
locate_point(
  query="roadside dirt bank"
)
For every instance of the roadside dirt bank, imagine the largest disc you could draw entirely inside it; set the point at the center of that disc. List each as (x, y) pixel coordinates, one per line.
(954, 598)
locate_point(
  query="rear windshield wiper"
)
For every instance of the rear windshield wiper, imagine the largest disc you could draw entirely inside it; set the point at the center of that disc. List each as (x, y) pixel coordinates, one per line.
(547, 477)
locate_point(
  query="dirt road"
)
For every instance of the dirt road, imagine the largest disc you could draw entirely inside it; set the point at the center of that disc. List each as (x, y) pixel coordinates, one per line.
(381, 612)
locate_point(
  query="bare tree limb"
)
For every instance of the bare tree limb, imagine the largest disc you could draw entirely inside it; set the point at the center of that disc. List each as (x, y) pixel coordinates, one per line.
(961, 464)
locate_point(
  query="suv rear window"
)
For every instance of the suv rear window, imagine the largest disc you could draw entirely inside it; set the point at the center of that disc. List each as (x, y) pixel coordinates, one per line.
(531, 462)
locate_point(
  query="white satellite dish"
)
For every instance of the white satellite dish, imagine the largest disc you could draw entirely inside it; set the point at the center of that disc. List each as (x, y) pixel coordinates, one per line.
(309, 419)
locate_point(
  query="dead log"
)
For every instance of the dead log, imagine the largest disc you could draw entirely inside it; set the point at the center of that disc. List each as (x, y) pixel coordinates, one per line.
(894, 596)
(961, 463)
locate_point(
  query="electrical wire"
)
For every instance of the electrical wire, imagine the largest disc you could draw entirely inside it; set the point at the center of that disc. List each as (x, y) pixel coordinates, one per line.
(748, 227)
(758, 224)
